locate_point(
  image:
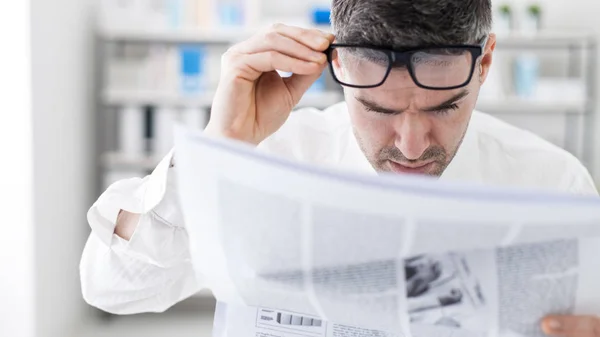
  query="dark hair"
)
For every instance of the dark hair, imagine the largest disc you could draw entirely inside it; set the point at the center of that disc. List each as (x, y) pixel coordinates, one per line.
(411, 23)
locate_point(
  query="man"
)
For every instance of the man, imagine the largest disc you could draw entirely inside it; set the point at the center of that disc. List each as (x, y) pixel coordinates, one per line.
(411, 71)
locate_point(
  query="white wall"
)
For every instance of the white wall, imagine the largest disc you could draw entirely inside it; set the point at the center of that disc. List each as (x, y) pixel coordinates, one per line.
(16, 177)
(46, 173)
(63, 137)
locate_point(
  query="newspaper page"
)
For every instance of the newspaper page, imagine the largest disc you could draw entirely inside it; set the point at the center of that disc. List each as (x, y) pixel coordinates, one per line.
(289, 248)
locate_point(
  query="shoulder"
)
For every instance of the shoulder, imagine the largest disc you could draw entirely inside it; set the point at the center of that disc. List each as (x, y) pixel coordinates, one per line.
(311, 134)
(520, 156)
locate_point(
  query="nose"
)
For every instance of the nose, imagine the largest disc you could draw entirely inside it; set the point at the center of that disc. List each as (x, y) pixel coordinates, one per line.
(412, 135)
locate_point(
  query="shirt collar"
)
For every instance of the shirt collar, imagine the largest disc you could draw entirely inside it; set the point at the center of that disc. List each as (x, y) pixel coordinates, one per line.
(466, 165)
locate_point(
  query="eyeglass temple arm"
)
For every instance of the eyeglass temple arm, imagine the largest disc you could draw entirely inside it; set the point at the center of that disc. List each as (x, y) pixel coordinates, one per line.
(484, 41)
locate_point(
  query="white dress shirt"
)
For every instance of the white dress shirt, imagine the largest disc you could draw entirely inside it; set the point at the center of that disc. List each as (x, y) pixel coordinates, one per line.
(153, 271)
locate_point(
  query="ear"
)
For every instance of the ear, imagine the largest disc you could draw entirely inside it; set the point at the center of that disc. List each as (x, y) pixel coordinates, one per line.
(337, 65)
(487, 57)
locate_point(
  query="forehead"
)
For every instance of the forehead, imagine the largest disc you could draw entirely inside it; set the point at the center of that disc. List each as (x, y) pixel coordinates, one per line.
(399, 91)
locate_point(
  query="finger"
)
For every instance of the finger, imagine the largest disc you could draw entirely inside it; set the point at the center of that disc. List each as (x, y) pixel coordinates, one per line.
(298, 85)
(313, 38)
(575, 326)
(282, 44)
(251, 66)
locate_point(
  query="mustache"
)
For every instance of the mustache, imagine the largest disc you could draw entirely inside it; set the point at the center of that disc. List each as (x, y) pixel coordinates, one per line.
(435, 152)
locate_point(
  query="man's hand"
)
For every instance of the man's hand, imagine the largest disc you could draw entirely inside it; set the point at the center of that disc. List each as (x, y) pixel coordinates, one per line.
(571, 326)
(126, 224)
(252, 101)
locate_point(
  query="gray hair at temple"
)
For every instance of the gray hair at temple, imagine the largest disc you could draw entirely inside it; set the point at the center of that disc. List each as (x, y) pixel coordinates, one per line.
(411, 23)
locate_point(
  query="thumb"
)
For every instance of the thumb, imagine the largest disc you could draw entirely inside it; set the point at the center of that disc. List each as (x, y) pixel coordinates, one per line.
(583, 326)
(298, 85)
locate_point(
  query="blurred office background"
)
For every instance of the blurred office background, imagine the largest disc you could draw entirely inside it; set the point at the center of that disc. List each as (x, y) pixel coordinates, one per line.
(108, 77)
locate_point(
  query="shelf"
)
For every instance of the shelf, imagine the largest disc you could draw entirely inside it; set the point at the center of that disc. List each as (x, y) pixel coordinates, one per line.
(561, 38)
(180, 35)
(219, 35)
(141, 97)
(120, 161)
(326, 99)
(516, 105)
(321, 100)
(545, 38)
(136, 97)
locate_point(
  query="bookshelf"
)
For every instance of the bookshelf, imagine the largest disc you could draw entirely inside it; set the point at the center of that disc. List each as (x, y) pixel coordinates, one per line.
(577, 44)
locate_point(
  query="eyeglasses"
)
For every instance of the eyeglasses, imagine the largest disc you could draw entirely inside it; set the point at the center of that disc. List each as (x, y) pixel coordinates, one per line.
(434, 68)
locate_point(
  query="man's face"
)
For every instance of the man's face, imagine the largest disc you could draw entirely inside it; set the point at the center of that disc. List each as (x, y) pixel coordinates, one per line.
(402, 128)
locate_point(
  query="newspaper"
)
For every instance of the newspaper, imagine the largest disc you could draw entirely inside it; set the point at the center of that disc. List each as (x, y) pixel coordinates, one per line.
(291, 249)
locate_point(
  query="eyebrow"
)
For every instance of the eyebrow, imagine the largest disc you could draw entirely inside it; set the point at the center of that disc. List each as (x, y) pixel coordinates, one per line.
(440, 107)
(448, 103)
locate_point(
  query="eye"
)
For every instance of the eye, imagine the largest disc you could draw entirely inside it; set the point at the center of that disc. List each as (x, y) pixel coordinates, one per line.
(447, 110)
(367, 109)
(379, 112)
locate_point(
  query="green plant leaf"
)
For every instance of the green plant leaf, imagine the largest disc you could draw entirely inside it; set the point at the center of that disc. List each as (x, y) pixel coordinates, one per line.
(505, 9)
(535, 10)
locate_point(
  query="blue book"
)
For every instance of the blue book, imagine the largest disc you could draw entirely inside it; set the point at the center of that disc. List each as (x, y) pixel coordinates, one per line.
(192, 68)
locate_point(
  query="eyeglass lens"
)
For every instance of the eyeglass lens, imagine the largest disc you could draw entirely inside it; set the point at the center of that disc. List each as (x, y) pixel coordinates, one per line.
(436, 68)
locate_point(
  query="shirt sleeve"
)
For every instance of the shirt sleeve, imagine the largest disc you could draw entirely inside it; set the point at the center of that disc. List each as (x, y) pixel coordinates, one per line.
(152, 271)
(581, 181)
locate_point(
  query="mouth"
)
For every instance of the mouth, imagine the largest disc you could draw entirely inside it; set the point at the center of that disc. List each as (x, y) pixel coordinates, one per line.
(421, 168)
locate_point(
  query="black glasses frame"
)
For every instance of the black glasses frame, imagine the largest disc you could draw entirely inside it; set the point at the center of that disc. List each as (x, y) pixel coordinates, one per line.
(405, 56)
